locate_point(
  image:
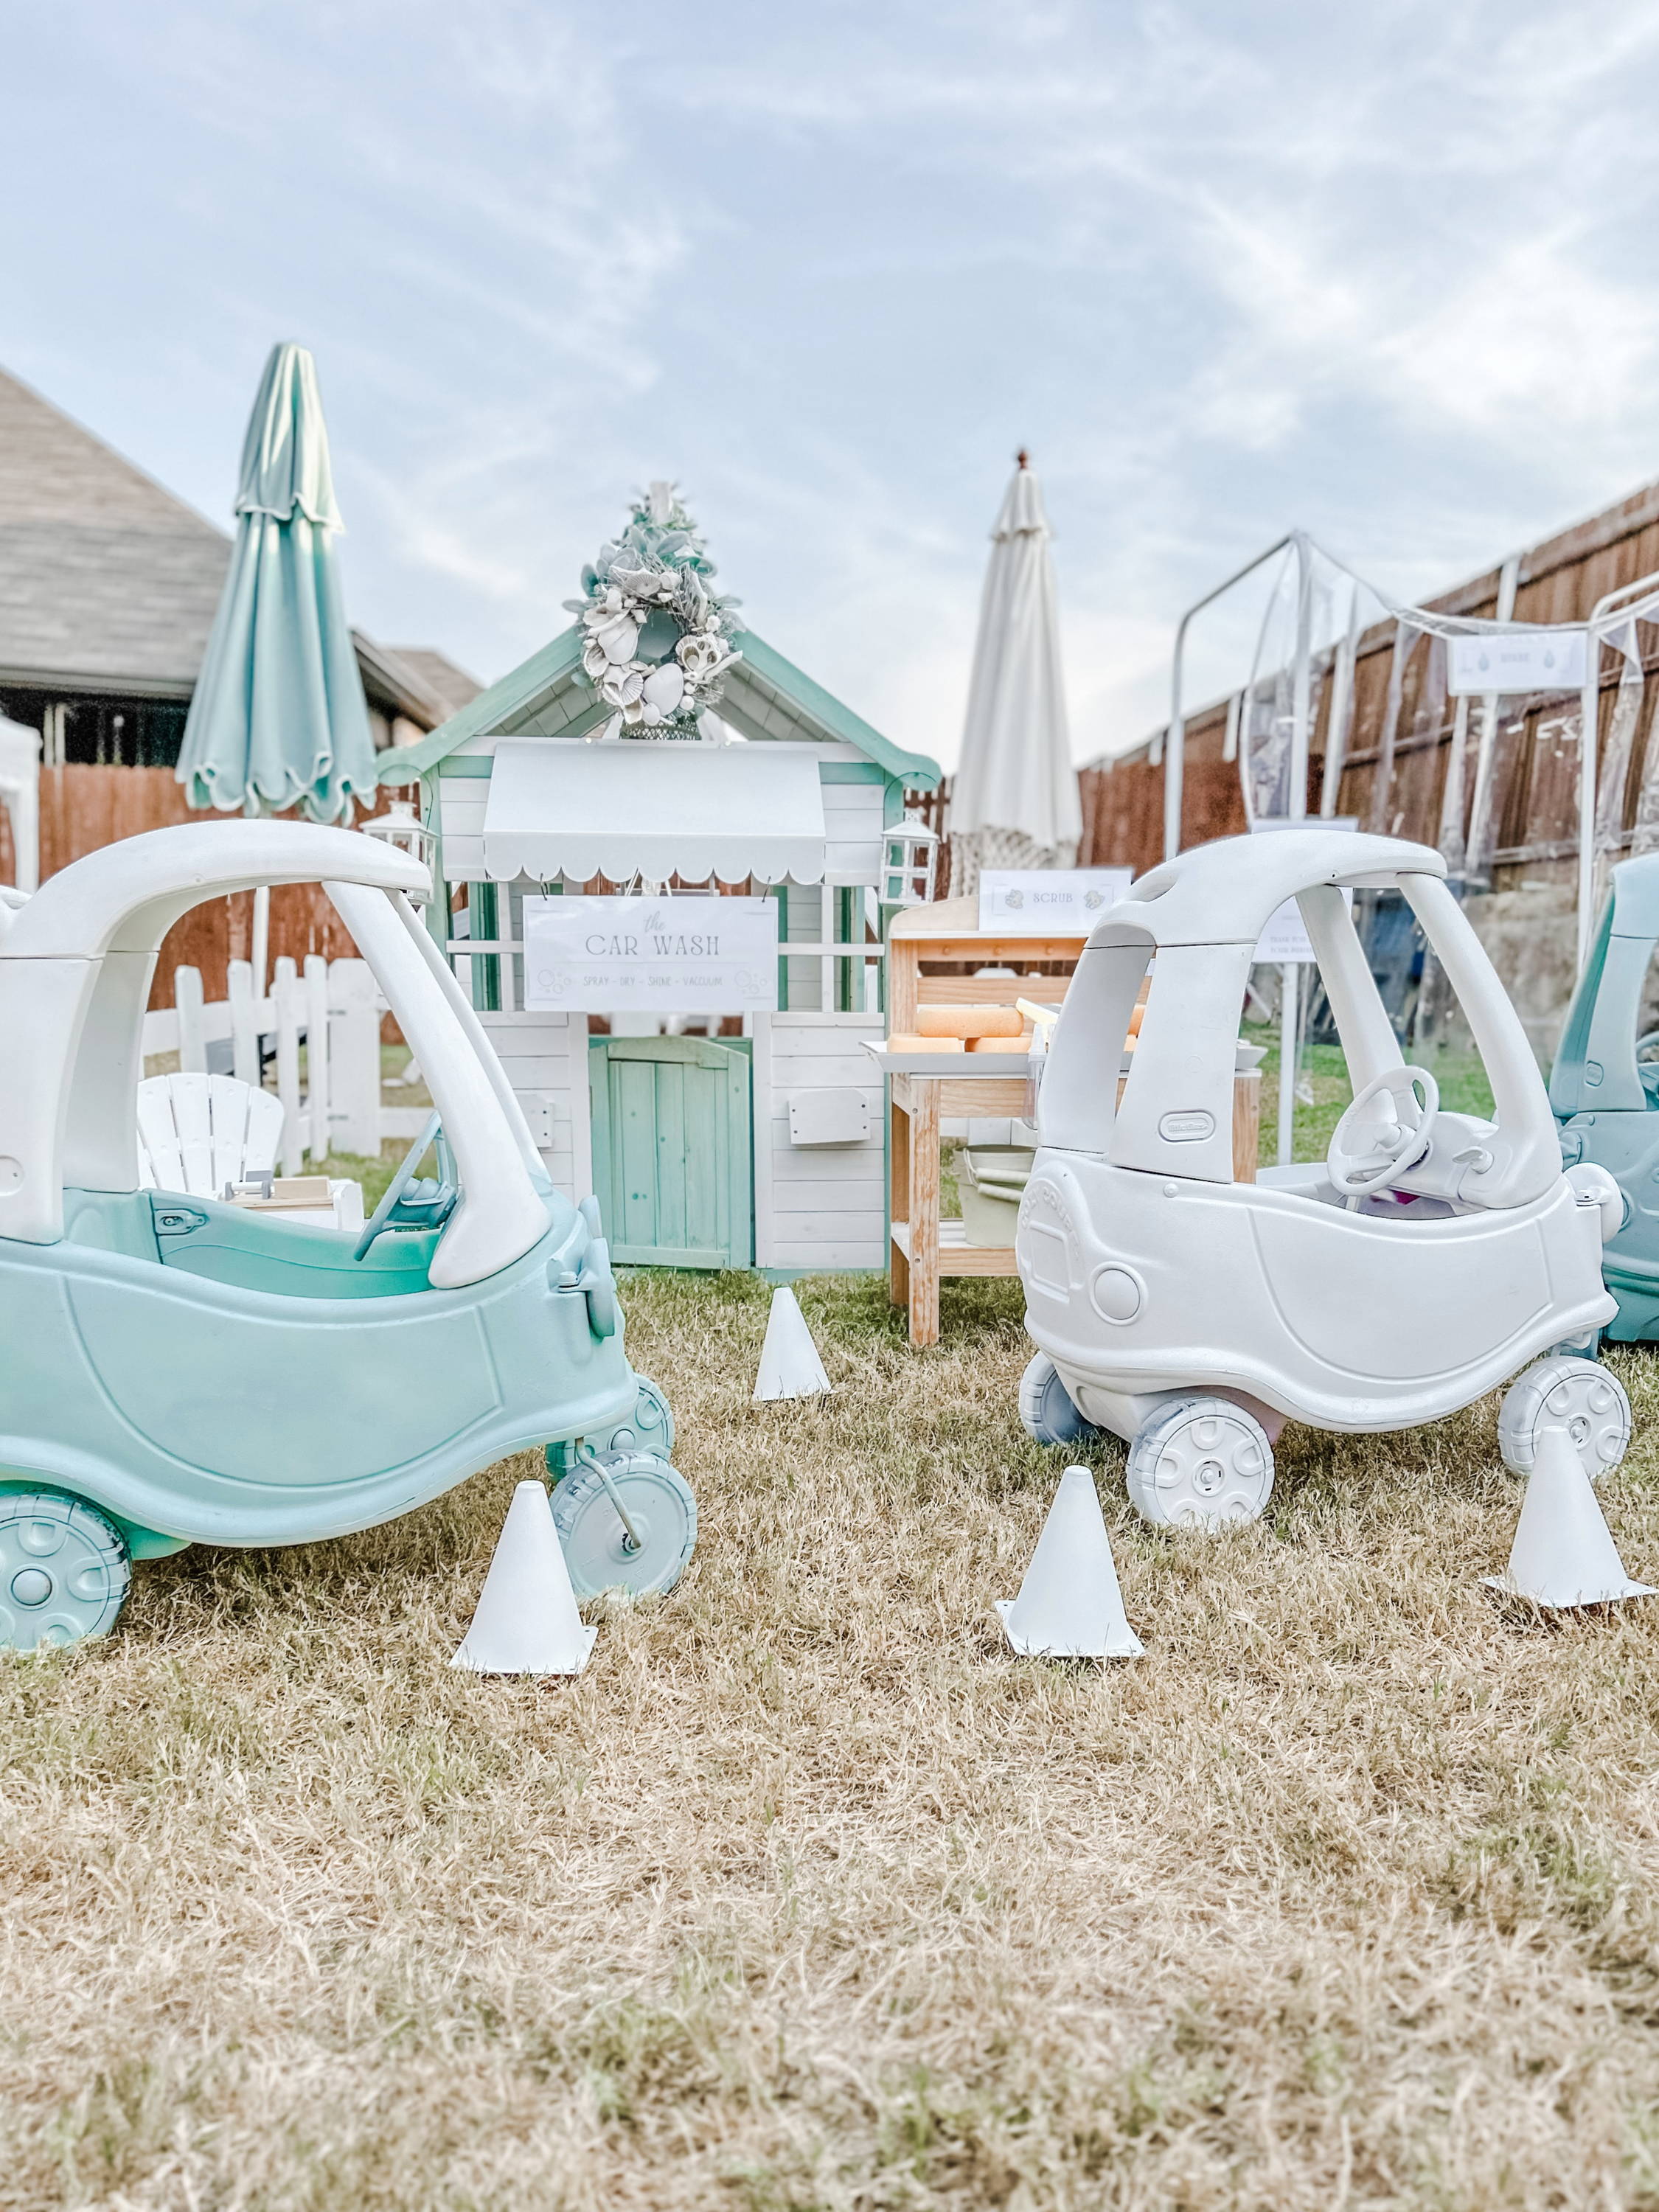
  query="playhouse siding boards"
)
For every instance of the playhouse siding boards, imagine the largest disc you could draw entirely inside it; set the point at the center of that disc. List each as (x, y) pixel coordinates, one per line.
(818, 1206)
(545, 1059)
(813, 1205)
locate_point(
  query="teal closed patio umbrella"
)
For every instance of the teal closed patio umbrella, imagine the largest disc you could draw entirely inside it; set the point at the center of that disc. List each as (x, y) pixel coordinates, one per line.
(277, 718)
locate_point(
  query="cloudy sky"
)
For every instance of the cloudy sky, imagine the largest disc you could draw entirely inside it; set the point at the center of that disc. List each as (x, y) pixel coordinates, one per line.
(1391, 273)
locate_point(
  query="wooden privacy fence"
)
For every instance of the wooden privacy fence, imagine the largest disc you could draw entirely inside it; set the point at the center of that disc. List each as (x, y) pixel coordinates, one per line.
(83, 807)
(333, 1007)
(1404, 733)
(1529, 820)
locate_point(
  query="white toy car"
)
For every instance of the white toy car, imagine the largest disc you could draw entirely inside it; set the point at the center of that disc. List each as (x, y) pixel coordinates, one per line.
(1423, 1262)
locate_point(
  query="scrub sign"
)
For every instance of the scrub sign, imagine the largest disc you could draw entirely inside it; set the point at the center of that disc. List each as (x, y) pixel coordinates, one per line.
(1048, 901)
(1285, 942)
(687, 956)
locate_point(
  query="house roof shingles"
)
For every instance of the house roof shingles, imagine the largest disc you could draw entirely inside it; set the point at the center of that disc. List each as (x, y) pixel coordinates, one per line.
(106, 580)
(108, 583)
(452, 687)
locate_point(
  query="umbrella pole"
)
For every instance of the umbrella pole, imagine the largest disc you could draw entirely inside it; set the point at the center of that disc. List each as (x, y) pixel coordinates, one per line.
(1289, 1033)
(261, 946)
(1290, 1028)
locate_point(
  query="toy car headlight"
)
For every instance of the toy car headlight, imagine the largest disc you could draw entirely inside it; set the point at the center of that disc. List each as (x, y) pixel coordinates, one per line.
(1593, 1186)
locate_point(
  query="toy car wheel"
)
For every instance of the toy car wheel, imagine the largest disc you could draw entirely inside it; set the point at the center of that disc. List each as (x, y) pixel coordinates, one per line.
(1201, 1463)
(650, 1428)
(645, 1554)
(64, 1570)
(655, 1418)
(1045, 1405)
(1588, 1399)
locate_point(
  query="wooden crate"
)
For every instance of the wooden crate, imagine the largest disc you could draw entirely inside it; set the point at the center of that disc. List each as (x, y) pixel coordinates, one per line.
(933, 950)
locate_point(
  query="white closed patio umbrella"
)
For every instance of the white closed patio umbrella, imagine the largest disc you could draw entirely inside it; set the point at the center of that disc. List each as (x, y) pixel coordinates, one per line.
(1014, 801)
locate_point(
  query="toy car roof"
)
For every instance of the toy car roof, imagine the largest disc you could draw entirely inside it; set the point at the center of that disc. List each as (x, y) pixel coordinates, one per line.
(125, 897)
(76, 965)
(1225, 893)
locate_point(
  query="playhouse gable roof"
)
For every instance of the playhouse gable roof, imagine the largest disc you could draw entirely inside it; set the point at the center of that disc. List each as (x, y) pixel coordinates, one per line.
(766, 697)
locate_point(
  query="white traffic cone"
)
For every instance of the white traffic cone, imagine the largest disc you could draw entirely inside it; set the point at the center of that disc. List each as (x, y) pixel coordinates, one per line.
(526, 1622)
(1069, 1605)
(789, 1363)
(1563, 1553)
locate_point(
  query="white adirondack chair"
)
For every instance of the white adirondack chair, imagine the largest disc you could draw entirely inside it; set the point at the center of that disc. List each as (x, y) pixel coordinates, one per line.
(197, 1134)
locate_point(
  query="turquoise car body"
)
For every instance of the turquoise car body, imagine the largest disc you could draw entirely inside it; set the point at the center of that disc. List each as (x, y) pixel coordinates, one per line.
(203, 1373)
(1606, 1095)
(174, 1369)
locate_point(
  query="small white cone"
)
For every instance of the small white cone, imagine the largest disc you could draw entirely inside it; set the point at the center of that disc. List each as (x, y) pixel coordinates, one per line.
(526, 1622)
(789, 1363)
(1563, 1553)
(1069, 1605)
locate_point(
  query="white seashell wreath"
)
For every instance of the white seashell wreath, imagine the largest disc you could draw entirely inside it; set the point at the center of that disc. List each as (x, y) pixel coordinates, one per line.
(657, 639)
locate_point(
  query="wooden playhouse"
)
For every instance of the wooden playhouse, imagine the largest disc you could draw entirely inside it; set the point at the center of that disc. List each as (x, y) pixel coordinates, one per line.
(715, 1150)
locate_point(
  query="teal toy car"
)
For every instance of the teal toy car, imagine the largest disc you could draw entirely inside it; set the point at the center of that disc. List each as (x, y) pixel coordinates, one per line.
(1605, 1089)
(174, 1370)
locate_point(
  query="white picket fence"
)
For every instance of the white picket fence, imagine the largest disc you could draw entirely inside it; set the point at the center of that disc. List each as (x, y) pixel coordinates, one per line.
(335, 1005)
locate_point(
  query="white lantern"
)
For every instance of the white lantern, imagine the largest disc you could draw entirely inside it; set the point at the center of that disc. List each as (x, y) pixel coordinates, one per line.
(911, 859)
(401, 827)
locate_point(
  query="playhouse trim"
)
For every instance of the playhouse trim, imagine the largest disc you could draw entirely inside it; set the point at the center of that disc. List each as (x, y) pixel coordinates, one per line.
(541, 698)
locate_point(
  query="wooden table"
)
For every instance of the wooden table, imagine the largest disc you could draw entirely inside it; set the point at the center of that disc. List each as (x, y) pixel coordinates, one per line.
(922, 1249)
(932, 954)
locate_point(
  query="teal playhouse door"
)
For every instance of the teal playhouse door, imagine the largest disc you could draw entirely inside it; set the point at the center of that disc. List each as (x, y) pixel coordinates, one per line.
(672, 1150)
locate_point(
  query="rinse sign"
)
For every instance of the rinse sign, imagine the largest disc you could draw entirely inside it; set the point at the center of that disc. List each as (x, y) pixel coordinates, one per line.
(1511, 662)
(688, 956)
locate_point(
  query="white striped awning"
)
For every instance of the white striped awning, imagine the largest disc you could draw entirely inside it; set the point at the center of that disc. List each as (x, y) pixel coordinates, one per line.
(645, 808)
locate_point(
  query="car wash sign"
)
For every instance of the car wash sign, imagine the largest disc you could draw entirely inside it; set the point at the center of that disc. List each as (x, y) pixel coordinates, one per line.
(615, 956)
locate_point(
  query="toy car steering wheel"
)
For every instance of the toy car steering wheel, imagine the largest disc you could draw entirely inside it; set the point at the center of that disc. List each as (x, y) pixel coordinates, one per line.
(425, 1206)
(1356, 1174)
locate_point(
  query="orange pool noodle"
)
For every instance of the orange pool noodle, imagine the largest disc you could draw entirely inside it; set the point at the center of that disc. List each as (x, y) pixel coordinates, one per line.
(968, 1021)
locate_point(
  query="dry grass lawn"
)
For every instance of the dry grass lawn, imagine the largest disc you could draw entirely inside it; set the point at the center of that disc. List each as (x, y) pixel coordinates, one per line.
(808, 1895)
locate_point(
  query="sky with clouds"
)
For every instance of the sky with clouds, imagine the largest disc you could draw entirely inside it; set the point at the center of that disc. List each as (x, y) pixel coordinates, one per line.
(1389, 273)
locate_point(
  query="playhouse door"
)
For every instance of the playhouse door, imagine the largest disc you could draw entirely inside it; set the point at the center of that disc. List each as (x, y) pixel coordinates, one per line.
(672, 1150)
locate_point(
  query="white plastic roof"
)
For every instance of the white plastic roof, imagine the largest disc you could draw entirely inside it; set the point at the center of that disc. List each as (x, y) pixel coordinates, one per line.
(125, 897)
(654, 809)
(1223, 893)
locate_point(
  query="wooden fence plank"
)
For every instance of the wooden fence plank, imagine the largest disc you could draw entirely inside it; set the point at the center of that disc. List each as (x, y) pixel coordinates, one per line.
(192, 1041)
(82, 808)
